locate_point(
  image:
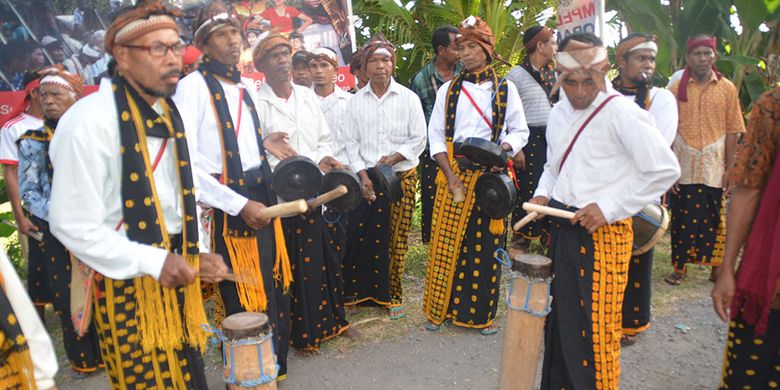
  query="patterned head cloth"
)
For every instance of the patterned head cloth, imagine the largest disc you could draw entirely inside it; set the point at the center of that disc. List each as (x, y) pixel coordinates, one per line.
(210, 19)
(265, 45)
(636, 42)
(582, 57)
(325, 54)
(145, 17)
(57, 75)
(475, 29)
(542, 34)
(378, 44)
(693, 43)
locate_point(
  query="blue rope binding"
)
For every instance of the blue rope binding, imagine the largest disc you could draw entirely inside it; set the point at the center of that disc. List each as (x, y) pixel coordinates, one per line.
(231, 379)
(502, 257)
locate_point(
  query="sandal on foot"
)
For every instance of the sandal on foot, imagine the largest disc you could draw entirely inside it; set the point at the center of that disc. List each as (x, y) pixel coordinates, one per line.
(489, 330)
(431, 327)
(674, 278)
(78, 375)
(629, 339)
(397, 312)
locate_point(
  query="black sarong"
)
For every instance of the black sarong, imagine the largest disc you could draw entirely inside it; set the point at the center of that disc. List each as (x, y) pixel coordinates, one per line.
(698, 226)
(317, 309)
(528, 179)
(638, 294)
(83, 352)
(428, 171)
(582, 333)
(752, 362)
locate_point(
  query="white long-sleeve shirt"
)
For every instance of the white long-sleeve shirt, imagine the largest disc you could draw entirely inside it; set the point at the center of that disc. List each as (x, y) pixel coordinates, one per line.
(468, 121)
(300, 117)
(620, 161)
(86, 198)
(334, 107)
(663, 108)
(44, 359)
(193, 100)
(379, 126)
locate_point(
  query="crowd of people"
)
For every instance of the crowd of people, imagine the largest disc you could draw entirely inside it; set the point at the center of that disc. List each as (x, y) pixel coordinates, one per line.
(159, 182)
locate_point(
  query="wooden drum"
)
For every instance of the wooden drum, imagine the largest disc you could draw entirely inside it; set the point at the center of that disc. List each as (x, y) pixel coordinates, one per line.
(248, 352)
(528, 302)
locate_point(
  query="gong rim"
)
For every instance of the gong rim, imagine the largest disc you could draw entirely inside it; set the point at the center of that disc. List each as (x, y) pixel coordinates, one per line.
(495, 194)
(296, 177)
(483, 152)
(388, 182)
(348, 201)
(663, 226)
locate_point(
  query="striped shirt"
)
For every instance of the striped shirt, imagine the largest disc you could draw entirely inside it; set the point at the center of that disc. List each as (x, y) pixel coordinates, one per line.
(380, 126)
(535, 102)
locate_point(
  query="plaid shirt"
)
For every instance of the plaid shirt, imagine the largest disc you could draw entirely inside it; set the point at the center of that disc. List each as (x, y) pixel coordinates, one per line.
(425, 84)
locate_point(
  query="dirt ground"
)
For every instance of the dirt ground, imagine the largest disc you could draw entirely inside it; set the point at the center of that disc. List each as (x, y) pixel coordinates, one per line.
(682, 350)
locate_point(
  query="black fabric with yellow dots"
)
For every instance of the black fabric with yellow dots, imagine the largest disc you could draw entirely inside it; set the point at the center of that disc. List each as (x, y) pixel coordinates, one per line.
(583, 330)
(752, 361)
(16, 368)
(317, 309)
(698, 225)
(82, 351)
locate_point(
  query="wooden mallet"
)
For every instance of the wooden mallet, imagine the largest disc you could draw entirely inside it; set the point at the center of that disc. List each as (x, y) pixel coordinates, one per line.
(534, 210)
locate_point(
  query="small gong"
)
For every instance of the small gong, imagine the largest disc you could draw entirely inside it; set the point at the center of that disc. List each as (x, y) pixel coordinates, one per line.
(388, 182)
(297, 177)
(495, 194)
(347, 178)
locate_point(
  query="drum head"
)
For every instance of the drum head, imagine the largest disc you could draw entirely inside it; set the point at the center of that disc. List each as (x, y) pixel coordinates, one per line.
(496, 194)
(347, 178)
(484, 152)
(649, 227)
(245, 325)
(388, 182)
(296, 178)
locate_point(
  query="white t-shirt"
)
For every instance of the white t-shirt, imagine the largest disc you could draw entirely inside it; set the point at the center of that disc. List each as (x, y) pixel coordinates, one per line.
(12, 130)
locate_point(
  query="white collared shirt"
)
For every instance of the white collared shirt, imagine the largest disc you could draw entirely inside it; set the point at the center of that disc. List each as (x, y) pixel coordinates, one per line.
(193, 100)
(663, 108)
(620, 161)
(300, 117)
(468, 121)
(334, 106)
(44, 359)
(86, 192)
(379, 126)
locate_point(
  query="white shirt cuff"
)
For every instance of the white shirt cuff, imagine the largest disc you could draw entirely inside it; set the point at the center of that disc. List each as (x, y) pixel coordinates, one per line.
(151, 260)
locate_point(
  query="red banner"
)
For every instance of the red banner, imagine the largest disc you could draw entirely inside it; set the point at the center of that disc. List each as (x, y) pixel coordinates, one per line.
(9, 100)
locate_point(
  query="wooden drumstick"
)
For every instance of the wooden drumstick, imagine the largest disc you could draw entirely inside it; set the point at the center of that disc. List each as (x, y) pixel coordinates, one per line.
(550, 211)
(284, 209)
(526, 220)
(337, 192)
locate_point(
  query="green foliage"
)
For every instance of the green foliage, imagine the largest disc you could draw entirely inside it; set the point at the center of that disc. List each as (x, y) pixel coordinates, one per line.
(410, 25)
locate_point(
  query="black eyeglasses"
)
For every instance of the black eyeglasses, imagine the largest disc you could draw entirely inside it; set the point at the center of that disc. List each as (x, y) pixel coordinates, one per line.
(160, 50)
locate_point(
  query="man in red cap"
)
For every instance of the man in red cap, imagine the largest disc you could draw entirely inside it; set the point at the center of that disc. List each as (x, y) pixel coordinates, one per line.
(58, 91)
(710, 121)
(30, 114)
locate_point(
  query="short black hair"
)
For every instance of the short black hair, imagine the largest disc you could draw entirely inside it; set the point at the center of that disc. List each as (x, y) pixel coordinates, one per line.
(580, 37)
(301, 57)
(441, 37)
(528, 35)
(29, 76)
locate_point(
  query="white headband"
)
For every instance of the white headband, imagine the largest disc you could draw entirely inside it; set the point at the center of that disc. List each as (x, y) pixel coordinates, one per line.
(382, 50)
(328, 52)
(567, 60)
(57, 80)
(213, 23)
(646, 45)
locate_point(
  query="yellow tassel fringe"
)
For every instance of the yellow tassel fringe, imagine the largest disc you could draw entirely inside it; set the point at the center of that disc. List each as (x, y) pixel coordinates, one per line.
(18, 372)
(245, 259)
(497, 226)
(282, 270)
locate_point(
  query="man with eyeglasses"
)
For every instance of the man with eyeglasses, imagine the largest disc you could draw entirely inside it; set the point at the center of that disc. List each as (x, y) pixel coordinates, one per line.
(710, 121)
(123, 202)
(219, 113)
